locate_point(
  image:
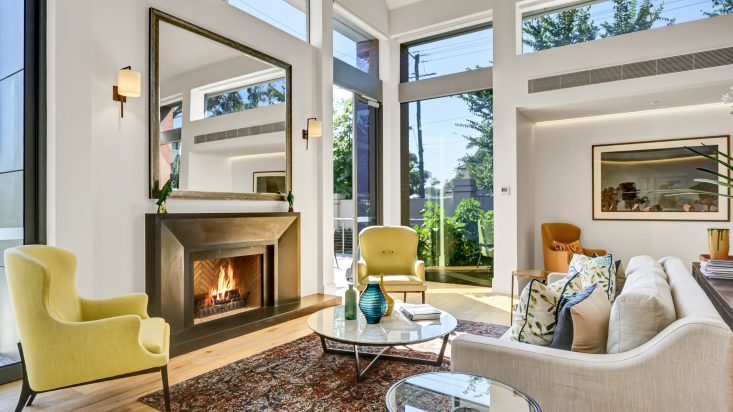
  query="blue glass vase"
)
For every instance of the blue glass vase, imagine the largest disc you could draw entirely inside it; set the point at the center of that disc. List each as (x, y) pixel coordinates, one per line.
(372, 303)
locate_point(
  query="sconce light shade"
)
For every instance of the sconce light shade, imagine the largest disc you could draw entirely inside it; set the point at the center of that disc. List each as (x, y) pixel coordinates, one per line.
(128, 83)
(315, 128)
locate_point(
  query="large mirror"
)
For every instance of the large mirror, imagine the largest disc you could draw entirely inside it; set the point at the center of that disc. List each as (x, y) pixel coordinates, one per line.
(219, 115)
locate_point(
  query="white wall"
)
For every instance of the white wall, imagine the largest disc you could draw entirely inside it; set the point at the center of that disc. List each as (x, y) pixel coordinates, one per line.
(562, 179)
(98, 163)
(244, 167)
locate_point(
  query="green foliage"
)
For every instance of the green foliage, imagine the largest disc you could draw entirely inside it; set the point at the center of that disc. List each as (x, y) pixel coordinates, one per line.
(630, 16)
(720, 7)
(480, 163)
(567, 27)
(414, 173)
(343, 129)
(460, 233)
(252, 97)
(576, 25)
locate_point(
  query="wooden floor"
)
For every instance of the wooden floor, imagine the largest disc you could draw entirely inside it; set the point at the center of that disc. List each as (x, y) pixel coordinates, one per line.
(464, 302)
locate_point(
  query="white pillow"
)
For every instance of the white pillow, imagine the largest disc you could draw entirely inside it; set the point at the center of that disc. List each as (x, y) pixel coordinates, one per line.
(642, 310)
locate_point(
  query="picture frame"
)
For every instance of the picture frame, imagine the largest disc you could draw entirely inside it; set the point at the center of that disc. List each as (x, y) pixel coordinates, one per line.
(628, 177)
(269, 182)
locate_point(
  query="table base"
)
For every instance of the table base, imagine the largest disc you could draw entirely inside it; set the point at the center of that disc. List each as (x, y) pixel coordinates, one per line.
(360, 374)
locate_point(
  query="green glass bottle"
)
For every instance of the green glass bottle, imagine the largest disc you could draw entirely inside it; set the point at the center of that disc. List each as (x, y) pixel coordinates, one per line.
(350, 303)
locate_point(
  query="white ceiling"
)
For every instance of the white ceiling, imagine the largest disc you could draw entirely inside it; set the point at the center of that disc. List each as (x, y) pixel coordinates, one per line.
(393, 4)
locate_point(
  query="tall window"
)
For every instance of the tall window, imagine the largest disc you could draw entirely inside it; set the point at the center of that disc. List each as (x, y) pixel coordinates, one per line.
(467, 50)
(450, 179)
(245, 98)
(599, 19)
(355, 46)
(289, 16)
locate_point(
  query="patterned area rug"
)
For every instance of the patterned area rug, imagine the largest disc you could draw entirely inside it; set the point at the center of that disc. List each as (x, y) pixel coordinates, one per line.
(297, 376)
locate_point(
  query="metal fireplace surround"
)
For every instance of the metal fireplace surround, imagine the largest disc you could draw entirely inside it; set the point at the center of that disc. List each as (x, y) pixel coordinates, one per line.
(173, 240)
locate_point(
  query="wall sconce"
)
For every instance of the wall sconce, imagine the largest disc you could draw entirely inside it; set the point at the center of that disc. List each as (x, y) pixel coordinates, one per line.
(314, 129)
(128, 85)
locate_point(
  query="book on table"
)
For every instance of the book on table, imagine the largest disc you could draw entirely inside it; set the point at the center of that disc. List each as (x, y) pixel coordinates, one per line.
(420, 312)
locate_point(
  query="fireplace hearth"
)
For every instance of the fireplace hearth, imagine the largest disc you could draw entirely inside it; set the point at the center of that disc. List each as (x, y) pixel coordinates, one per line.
(217, 276)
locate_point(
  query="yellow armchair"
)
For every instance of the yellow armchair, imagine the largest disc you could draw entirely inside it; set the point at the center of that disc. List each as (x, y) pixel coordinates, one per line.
(67, 340)
(392, 251)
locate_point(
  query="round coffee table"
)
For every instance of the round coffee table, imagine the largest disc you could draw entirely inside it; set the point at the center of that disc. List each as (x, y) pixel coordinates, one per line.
(395, 330)
(456, 392)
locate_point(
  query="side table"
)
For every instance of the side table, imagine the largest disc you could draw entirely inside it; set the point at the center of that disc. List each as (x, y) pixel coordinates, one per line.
(528, 274)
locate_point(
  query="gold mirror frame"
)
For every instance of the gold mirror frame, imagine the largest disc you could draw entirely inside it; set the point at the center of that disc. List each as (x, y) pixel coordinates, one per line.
(157, 16)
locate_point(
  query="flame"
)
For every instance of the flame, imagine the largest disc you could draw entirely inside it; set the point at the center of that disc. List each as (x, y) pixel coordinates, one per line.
(224, 284)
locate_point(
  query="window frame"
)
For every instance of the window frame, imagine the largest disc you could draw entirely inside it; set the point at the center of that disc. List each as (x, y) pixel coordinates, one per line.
(307, 21)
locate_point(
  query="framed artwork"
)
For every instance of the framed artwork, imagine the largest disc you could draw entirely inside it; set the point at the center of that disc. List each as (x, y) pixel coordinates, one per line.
(624, 175)
(269, 182)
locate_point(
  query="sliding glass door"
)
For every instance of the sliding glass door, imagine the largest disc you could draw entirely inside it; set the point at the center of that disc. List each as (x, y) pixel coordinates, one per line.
(356, 176)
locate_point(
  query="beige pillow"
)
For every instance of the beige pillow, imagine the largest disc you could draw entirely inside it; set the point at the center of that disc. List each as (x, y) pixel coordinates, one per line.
(590, 323)
(642, 310)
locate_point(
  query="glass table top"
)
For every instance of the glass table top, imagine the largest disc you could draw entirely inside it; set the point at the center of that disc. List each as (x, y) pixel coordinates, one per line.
(393, 330)
(456, 392)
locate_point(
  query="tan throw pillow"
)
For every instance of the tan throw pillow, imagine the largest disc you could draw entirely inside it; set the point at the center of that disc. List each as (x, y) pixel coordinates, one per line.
(569, 247)
(642, 309)
(590, 323)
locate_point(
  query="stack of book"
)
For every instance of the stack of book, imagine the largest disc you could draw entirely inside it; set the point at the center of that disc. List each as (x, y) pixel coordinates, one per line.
(420, 312)
(718, 269)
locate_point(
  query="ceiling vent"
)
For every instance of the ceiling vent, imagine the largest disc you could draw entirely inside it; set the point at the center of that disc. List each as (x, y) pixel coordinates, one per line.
(674, 64)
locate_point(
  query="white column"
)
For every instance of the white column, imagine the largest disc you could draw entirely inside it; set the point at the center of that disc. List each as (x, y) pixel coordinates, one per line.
(321, 34)
(389, 53)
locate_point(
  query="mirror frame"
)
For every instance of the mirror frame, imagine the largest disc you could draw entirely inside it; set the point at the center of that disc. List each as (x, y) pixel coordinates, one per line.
(156, 17)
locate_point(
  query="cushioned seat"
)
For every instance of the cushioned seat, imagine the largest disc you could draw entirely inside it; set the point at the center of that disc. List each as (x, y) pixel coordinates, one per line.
(391, 251)
(152, 334)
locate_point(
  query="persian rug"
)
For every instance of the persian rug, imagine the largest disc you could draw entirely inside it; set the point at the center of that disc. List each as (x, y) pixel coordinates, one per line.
(298, 376)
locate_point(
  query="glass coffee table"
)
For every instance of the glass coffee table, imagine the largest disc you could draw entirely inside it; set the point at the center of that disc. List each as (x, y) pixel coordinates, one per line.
(395, 330)
(456, 392)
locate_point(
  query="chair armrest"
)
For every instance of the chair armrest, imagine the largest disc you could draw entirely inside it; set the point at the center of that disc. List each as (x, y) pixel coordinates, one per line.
(361, 271)
(68, 353)
(135, 304)
(557, 260)
(571, 381)
(590, 252)
(418, 269)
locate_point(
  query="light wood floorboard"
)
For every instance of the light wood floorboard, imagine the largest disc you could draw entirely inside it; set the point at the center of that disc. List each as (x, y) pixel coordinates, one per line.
(464, 302)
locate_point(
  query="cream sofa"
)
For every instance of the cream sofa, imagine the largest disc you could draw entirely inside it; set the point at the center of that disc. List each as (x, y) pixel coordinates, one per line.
(688, 366)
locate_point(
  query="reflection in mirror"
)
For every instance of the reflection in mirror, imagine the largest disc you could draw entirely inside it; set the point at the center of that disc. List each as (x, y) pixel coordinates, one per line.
(222, 117)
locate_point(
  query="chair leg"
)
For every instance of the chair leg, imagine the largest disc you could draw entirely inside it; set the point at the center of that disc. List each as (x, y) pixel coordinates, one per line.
(166, 389)
(26, 393)
(423, 297)
(404, 297)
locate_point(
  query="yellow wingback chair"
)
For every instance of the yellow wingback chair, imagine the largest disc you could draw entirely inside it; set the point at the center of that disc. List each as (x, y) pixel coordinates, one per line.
(559, 260)
(67, 340)
(392, 251)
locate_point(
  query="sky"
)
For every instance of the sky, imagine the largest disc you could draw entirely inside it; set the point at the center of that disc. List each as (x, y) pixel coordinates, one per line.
(443, 141)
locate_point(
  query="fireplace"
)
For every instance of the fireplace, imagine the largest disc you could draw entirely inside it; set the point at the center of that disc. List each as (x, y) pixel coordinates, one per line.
(217, 276)
(227, 285)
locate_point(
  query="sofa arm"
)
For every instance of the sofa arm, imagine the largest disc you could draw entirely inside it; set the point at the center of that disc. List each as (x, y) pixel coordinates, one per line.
(135, 304)
(553, 277)
(569, 381)
(361, 272)
(418, 269)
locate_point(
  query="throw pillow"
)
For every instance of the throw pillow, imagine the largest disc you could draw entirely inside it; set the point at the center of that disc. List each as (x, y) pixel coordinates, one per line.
(569, 247)
(536, 314)
(643, 309)
(582, 324)
(601, 270)
(620, 274)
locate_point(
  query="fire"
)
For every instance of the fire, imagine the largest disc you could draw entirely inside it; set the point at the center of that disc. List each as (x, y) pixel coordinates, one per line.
(224, 285)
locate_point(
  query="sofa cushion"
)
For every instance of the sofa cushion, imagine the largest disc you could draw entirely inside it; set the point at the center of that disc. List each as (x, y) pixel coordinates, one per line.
(642, 310)
(600, 270)
(536, 314)
(582, 324)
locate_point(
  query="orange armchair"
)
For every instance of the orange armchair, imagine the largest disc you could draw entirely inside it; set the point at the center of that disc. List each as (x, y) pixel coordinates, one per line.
(559, 260)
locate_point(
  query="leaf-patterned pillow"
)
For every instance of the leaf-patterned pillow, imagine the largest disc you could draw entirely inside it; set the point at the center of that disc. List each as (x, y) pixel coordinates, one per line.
(536, 315)
(600, 270)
